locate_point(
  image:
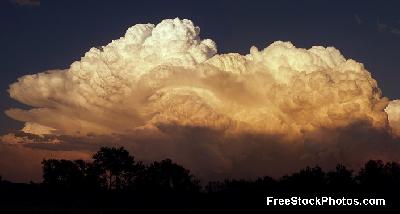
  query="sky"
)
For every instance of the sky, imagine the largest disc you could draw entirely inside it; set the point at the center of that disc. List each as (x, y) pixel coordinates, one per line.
(40, 35)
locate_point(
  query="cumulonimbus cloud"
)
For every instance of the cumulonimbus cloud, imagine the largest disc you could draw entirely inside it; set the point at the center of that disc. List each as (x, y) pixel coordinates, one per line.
(164, 91)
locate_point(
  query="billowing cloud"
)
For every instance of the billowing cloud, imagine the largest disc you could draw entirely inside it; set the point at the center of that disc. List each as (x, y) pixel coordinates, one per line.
(162, 91)
(393, 111)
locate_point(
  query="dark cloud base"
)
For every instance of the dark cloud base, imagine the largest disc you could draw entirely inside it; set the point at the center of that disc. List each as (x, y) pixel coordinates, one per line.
(215, 154)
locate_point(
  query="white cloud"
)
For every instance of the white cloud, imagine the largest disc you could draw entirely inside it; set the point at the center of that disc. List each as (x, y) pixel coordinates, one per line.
(393, 111)
(163, 91)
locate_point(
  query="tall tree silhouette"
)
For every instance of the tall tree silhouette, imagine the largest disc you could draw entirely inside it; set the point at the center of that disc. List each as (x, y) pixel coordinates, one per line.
(63, 173)
(308, 179)
(340, 179)
(115, 167)
(372, 175)
(168, 176)
(392, 170)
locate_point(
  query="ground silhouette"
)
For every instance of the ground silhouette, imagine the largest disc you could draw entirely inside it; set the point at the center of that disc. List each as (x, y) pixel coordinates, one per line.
(115, 182)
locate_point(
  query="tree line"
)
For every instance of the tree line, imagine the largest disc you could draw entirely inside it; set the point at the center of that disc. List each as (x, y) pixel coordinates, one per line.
(115, 182)
(116, 169)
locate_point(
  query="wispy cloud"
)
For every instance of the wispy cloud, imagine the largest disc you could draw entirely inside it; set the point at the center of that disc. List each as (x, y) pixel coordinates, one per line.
(395, 31)
(388, 28)
(358, 19)
(26, 2)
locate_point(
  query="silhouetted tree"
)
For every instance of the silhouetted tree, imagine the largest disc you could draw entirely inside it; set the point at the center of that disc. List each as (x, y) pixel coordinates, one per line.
(242, 186)
(214, 186)
(168, 176)
(372, 175)
(164, 182)
(237, 186)
(341, 178)
(266, 183)
(308, 179)
(115, 168)
(392, 171)
(63, 173)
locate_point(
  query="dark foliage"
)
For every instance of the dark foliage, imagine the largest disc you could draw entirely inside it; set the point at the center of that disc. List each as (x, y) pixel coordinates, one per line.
(168, 176)
(64, 173)
(114, 182)
(115, 168)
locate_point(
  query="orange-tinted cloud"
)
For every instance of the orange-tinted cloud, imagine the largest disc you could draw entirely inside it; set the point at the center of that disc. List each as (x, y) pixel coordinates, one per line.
(162, 91)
